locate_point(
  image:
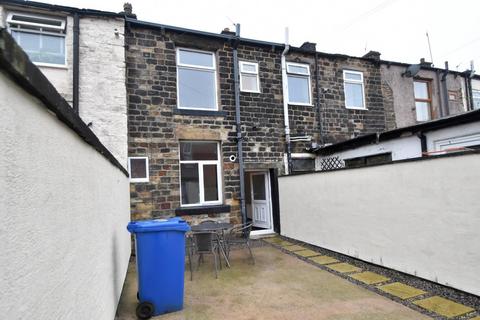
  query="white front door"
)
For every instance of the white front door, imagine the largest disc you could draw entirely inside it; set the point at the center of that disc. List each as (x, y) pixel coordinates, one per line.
(260, 189)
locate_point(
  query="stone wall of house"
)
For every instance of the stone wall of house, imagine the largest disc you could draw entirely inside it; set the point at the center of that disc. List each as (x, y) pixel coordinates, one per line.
(340, 123)
(156, 126)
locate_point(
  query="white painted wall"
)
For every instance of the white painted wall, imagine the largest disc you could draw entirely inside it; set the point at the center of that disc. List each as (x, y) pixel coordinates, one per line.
(419, 217)
(469, 134)
(401, 148)
(103, 96)
(64, 210)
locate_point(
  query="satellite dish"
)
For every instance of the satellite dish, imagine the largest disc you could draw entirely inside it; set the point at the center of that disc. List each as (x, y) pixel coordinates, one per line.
(412, 70)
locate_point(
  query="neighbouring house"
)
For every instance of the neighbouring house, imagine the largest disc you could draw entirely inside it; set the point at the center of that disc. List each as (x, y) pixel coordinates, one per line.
(81, 52)
(421, 92)
(64, 203)
(184, 126)
(436, 137)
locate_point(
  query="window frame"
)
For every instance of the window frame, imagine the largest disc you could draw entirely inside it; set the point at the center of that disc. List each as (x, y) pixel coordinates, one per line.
(147, 169)
(475, 92)
(201, 187)
(257, 74)
(40, 30)
(197, 67)
(300, 75)
(429, 100)
(362, 82)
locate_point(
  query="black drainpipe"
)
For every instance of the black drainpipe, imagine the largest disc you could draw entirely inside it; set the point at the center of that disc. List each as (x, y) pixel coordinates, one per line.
(317, 89)
(467, 91)
(423, 143)
(446, 111)
(76, 61)
(470, 92)
(238, 124)
(440, 96)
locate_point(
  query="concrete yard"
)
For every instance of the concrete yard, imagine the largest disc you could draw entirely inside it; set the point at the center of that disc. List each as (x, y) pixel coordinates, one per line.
(278, 286)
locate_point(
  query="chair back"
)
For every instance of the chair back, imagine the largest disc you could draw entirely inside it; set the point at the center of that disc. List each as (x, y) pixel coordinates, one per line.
(244, 229)
(207, 221)
(204, 241)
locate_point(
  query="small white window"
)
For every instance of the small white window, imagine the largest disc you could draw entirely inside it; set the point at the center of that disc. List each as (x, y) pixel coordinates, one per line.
(138, 169)
(196, 80)
(299, 90)
(249, 80)
(200, 175)
(354, 90)
(42, 38)
(476, 99)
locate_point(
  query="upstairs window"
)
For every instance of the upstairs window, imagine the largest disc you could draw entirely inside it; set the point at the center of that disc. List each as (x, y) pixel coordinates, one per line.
(476, 99)
(423, 100)
(42, 38)
(249, 81)
(200, 176)
(354, 89)
(196, 80)
(138, 169)
(299, 91)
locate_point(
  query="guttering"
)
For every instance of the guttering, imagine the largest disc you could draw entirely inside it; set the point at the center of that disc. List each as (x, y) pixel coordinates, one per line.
(446, 105)
(288, 165)
(317, 89)
(76, 62)
(238, 125)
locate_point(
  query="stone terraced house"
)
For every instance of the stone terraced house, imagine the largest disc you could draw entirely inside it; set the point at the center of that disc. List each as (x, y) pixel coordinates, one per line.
(182, 119)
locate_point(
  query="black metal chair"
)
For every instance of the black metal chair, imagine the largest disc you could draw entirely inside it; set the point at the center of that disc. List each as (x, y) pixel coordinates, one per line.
(240, 236)
(206, 243)
(190, 249)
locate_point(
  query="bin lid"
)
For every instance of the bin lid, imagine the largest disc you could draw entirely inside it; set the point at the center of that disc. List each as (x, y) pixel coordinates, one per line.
(156, 225)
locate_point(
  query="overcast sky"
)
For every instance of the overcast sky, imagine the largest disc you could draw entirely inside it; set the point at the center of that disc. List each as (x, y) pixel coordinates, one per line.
(396, 28)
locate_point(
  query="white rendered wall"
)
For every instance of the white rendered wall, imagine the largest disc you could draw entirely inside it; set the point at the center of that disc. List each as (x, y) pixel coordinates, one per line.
(401, 148)
(64, 210)
(103, 93)
(418, 217)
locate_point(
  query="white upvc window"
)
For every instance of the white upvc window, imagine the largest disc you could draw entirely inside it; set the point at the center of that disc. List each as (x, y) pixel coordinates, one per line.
(476, 99)
(138, 169)
(354, 90)
(196, 80)
(200, 175)
(299, 88)
(249, 80)
(42, 38)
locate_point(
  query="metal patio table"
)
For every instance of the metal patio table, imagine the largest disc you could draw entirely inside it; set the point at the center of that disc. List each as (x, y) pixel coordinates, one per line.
(218, 227)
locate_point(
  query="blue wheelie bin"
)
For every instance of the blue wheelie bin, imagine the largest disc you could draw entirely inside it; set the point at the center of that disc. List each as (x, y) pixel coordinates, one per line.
(160, 249)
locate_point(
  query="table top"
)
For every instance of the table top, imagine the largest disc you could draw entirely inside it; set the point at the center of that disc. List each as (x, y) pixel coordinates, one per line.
(212, 226)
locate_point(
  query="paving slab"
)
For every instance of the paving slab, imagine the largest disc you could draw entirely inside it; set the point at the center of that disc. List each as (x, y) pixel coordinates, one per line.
(343, 267)
(401, 290)
(284, 243)
(443, 307)
(323, 260)
(369, 277)
(273, 240)
(278, 287)
(307, 253)
(294, 248)
(476, 318)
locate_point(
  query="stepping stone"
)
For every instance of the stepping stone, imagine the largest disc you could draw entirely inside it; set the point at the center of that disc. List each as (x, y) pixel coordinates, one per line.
(443, 307)
(369, 277)
(476, 318)
(307, 253)
(323, 260)
(294, 248)
(285, 243)
(401, 290)
(273, 240)
(343, 267)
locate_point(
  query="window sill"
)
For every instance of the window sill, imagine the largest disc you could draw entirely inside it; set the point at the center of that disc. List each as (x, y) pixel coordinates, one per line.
(190, 211)
(300, 104)
(191, 112)
(354, 108)
(51, 65)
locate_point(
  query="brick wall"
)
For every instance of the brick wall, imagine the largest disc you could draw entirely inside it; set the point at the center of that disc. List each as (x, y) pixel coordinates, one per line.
(155, 126)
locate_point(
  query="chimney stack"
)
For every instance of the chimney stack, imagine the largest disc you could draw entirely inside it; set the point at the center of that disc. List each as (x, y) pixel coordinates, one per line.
(372, 55)
(128, 10)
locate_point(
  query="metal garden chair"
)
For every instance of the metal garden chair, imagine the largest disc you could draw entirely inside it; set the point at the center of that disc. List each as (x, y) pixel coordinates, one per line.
(239, 236)
(206, 243)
